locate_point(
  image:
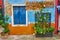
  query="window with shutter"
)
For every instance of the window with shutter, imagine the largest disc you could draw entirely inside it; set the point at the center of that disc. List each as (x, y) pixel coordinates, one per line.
(19, 15)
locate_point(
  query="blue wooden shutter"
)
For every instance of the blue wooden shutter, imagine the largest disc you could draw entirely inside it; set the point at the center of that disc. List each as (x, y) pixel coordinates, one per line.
(19, 14)
(22, 15)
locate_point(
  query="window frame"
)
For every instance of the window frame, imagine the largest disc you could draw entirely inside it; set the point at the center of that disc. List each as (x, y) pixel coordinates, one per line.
(13, 19)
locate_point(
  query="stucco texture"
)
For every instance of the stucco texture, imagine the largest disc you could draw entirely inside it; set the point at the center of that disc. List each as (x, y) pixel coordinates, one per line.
(16, 29)
(31, 18)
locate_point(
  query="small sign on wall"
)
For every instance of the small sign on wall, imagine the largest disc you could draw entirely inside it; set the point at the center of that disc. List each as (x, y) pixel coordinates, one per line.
(58, 9)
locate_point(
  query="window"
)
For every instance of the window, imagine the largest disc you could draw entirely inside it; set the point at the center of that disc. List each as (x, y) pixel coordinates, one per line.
(43, 17)
(19, 15)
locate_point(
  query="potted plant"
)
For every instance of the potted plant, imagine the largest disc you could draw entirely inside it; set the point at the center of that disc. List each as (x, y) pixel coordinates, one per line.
(42, 26)
(3, 24)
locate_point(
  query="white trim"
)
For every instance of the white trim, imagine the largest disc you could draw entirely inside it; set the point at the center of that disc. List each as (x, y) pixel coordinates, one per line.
(18, 4)
(31, 23)
(12, 15)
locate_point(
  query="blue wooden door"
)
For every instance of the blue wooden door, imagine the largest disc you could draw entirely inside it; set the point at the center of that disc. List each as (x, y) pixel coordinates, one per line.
(19, 15)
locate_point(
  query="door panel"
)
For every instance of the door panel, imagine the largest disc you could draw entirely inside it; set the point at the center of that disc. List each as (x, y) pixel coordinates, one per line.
(19, 14)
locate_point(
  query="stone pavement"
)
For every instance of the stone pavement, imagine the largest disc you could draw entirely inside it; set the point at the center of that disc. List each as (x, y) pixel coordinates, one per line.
(30, 37)
(55, 37)
(19, 37)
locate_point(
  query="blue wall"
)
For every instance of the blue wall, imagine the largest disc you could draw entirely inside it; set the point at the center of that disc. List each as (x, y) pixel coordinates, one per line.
(52, 11)
(35, 0)
(31, 16)
(20, 1)
(16, 1)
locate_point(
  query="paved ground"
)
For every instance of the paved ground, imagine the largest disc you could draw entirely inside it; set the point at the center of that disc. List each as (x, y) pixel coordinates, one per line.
(30, 37)
(19, 37)
(55, 37)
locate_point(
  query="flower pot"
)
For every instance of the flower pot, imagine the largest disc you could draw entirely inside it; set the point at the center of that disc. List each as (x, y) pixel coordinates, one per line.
(4, 35)
(48, 34)
(1, 29)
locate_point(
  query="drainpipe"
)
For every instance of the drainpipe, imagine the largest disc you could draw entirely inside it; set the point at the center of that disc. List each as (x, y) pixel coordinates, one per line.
(3, 7)
(56, 17)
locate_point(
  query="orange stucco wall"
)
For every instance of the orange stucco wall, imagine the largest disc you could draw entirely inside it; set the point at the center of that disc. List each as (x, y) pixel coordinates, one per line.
(21, 29)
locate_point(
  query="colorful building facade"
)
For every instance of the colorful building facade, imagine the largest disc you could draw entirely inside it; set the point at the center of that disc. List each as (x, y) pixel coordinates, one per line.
(21, 14)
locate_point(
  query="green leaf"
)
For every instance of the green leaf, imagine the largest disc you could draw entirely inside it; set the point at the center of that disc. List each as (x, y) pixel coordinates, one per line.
(40, 31)
(1, 21)
(50, 29)
(3, 25)
(44, 31)
(0, 14)
(6, 30)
